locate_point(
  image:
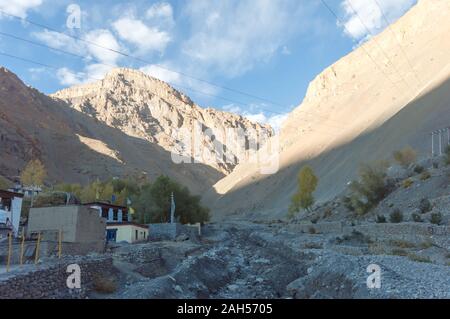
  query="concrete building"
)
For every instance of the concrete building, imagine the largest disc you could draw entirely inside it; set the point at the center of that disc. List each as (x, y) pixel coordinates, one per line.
(119, 226)
(112, 213)
(126, 231)
(83, 230)
(10, 210)
(27, 191)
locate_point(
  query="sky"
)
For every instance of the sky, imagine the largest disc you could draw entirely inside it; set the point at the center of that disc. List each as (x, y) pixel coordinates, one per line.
(252, 57)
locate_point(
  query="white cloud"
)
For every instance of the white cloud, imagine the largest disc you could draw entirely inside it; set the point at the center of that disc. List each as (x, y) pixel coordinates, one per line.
(90, 73)
(161, 14)
(107, 59)
(68, 77)
(161, 73)
(145, 38)
(275, 120)
(364, 17)
(19, 7)
(60, 41)
(231, 36)
(105, 39)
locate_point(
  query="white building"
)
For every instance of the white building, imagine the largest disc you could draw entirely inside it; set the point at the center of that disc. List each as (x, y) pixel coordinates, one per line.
(10, 210)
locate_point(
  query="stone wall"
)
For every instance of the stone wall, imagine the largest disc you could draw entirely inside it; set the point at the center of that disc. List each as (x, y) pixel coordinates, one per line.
(163, 231)
(48, 280)
(417, 232)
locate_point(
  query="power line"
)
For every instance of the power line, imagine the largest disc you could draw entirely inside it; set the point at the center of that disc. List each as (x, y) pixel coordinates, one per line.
(378, 45)
(143, 60)
(396, 39)
(172, 83)
(362, 46)
(97, 79)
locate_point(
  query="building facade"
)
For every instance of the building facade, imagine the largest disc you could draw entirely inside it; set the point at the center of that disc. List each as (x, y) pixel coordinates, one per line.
(126, 231)
(10, 210)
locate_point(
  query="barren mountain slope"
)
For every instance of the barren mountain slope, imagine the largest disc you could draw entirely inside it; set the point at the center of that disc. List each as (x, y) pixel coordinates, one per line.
(356, 111)
(147, 108)
(76, 147)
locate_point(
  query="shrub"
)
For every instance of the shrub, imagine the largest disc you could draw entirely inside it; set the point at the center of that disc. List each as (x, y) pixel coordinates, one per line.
(436, 218)
(381, 219)
(407, 183)
(370, 189)
(303, 198)
(396, 216)
(104, 285)
(425, 245)
(399, 252)
(447, 155)
(424, 205)
(312, 230)
(406, 156)
(416, 218)
(418, 169)
(418, 258)
(402, 244)
(55, 199)
(425, 175)
(4, 183)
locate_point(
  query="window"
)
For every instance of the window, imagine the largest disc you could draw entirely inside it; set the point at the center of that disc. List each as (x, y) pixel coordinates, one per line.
(136, 233)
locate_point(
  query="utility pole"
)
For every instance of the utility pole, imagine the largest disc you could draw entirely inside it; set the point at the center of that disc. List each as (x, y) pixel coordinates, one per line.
(172, 209)
(432, 144)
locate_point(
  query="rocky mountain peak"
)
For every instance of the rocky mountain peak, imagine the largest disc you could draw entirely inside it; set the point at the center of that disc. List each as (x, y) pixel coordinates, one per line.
(148, 108)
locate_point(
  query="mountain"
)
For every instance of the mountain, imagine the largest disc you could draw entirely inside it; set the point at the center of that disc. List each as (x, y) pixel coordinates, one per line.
(150, 109)
(124, 136)
(390, 92)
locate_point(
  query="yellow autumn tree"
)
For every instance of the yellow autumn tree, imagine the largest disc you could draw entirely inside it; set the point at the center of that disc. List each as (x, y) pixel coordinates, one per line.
(33, 174)
(303, 198)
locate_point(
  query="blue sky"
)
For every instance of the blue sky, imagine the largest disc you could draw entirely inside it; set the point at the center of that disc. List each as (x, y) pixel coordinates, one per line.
(270, 49)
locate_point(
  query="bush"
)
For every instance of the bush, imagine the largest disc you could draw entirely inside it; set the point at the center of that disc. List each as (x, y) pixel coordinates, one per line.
(104, 285)
(447, 155)
(406, 156)
(4, 183)
(402, 244)
(416, 218)
(425, 175)
(399, 252)
(420, 259)
(381, 219)
(418, 169)
(55, 199)
(370, 189)
(425, 205)
(396, 216)
(407, 183)
(436, 218)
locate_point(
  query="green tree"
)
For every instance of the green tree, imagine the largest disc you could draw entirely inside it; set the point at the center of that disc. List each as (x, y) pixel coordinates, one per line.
(153, 203)
(303, 198)
(4, 183)
(33, 174)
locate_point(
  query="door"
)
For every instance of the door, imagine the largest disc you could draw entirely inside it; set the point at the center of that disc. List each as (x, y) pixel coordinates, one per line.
(111, 235)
